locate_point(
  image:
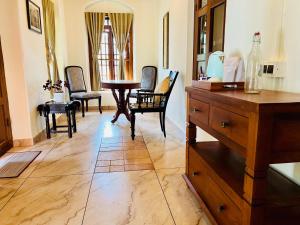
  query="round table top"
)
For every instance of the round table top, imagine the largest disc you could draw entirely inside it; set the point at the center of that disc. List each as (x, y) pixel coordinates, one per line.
(120, 84)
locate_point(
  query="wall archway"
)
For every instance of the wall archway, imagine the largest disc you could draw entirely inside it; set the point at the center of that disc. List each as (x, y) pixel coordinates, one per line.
(114, 6)
(109, 6)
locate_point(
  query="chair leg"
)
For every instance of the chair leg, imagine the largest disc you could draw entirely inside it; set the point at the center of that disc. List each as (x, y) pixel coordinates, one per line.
(69, 123)
(160, 120)
(132, 125)
(164, 123)
(82, 107)
(99, 105)
(87, 104)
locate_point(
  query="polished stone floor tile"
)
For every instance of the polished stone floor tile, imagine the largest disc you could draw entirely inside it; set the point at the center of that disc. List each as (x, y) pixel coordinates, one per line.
(102, 169)
(138, 167)
(136, 154)
(138, 161)
(184, 206)
(125, 187)
(70, 157)
(163, 159)
(8, 188)
(51, 200)
(114, 155)
(131, 198)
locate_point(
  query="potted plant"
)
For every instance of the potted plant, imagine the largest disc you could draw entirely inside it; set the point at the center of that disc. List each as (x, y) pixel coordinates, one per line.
(56, 88)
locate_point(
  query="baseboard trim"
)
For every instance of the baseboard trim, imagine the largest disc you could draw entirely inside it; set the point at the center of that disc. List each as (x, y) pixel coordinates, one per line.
(23, 142)
(95, 108)
(36, 139)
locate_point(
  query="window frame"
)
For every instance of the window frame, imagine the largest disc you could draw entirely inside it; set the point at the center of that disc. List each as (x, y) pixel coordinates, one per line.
(111, 55)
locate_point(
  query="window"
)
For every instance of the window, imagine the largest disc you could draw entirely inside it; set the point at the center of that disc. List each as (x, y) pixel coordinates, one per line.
(108, 57)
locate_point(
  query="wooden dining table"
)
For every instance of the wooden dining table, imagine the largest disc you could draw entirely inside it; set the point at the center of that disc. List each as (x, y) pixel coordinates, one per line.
(122, 101)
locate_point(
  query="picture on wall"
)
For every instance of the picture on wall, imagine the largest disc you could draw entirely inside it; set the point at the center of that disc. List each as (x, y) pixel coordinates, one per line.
(34, 17)
(166, 41)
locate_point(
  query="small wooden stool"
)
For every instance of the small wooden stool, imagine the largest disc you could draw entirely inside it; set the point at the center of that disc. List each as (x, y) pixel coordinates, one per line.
(53, 108)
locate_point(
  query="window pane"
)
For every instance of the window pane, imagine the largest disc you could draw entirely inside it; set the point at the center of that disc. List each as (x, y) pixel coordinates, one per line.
(108, 57)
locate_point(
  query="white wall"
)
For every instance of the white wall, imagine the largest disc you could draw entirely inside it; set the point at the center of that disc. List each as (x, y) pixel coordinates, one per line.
(14, 71)
(181, 53)
(25, 67)
(35, 67)
(144, 29)
(291, 44)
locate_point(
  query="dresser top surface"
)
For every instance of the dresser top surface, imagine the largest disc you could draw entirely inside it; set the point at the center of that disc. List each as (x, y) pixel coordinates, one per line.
(264, 97)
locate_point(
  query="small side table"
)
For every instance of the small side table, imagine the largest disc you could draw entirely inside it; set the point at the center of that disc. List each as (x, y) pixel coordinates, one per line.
(53, 108)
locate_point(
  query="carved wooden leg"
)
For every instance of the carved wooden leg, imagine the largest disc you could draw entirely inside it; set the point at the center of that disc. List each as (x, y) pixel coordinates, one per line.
(74, 120)
(47, 126)
(125, 109)
(87, 104)
(160, 120)
(132, 125)
(99, 105)
(54, 121)
(82, 107)
(118, 106)
(69, 123)
(164, 122)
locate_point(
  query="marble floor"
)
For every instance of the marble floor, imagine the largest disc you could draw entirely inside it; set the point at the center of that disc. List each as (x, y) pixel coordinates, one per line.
(74, 181)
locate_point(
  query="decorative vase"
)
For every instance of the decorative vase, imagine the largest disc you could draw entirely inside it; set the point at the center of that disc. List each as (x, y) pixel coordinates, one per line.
(59, 97)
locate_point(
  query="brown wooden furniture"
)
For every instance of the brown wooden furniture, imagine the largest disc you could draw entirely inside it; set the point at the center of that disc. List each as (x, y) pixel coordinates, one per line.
(122, 102)
(153, 103)
(209, 32)
(77, 88)
(53, 108)
(148, 80)
(5, 126)
(232, 177)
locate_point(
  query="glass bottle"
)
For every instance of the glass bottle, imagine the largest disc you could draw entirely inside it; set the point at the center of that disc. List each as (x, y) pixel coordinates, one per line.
(254, 67)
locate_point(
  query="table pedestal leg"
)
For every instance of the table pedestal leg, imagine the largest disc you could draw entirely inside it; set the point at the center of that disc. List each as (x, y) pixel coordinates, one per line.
(121, 104)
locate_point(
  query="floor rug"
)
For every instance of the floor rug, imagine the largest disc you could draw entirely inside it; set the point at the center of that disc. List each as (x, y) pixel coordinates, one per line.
(13, 164)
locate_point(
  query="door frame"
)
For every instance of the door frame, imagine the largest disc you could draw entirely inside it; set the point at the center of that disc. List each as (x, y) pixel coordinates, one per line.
(9, 143)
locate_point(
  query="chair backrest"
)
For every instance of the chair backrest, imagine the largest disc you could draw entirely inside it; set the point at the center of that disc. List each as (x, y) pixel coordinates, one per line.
(173, 77)
(149, 76)
(75, 79)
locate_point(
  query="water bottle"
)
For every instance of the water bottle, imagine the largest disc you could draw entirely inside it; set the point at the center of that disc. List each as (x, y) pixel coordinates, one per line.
(254, 67)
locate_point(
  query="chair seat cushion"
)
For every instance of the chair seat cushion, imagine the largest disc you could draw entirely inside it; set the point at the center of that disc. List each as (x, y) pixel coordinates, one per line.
(145, 107)
(86, 95)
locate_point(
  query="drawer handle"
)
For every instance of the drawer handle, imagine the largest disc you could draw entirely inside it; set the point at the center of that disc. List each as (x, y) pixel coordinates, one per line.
(225, 124)
(194, 174)
(221, 208)
(195, 110)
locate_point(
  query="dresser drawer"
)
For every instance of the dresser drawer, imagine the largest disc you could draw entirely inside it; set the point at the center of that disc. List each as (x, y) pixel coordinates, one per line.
(199, 111)
(220, 205)
(230, 124)
(196, 172)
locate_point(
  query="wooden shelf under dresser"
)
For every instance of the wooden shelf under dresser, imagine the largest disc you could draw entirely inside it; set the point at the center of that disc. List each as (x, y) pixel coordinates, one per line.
(232, 177)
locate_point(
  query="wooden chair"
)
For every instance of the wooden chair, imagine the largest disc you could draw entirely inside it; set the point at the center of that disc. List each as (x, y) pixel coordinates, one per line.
(77, 88)
(153, 103)
(148, 81)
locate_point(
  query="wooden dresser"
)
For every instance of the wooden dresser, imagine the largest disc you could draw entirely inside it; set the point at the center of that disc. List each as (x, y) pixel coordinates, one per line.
(232, 177)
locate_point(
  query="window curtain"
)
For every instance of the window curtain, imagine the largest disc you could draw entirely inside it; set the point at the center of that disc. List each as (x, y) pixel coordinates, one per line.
(95, 24)
(121, 24)
(49, 28)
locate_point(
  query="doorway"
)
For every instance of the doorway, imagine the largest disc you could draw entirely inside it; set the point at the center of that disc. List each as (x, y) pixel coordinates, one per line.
(5, 127)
